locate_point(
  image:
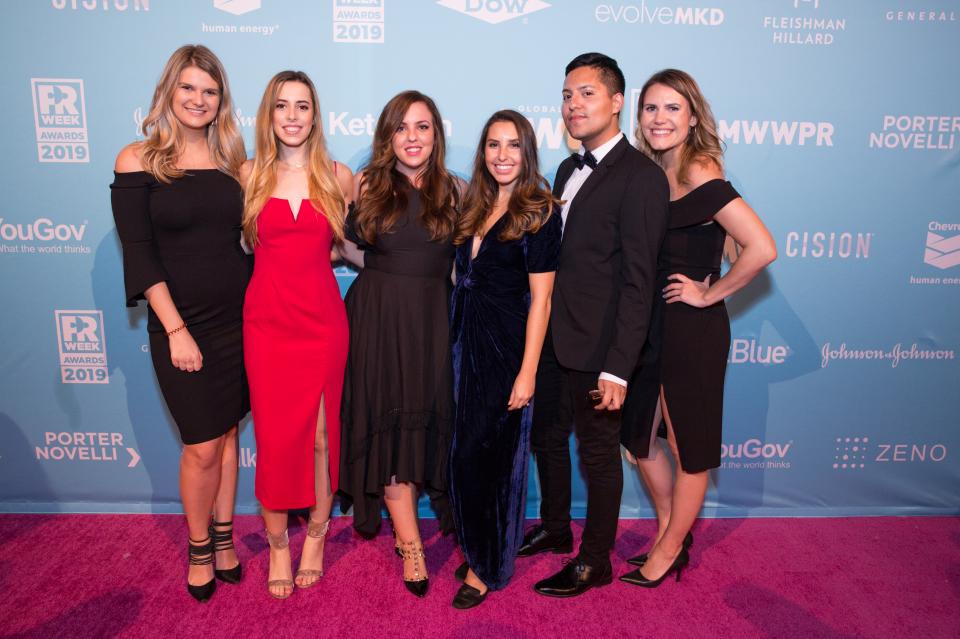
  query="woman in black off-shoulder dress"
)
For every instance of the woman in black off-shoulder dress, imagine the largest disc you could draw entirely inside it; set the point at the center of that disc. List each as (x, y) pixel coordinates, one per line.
(178, 210)
(680, 384)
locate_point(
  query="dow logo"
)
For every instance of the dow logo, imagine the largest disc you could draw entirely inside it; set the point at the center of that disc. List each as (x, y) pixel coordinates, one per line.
(82, 346)
(237, 7)
(494, 11)
(61, 120)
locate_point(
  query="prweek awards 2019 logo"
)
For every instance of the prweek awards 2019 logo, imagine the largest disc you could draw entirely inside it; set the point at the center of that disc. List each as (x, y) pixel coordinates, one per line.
(61, 120)
(82, 346)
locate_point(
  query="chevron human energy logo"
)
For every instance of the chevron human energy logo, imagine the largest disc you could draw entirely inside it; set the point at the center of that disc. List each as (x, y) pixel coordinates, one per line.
(942, 251)
(237, 7)
(494, 11)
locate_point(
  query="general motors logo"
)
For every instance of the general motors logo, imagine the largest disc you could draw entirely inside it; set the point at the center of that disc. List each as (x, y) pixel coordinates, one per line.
(494, 11)
(237, 7)
(942, 252)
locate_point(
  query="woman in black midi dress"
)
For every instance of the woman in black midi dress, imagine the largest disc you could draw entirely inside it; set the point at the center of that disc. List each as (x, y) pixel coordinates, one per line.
(681, 380)
(178, 207)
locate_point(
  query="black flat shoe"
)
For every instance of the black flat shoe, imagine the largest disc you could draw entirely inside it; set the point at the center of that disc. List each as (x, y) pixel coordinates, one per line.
(201, 554)
(641, 559)
(469, 597)
(574, 579)
(538, 540)
(461, 572)
(223, 540)
(636, 578)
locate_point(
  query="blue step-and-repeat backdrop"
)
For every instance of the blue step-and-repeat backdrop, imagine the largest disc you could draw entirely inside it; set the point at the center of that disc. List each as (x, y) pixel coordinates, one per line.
(842, 126)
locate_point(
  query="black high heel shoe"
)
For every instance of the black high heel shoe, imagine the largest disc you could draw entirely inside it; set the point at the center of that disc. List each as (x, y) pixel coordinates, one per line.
(413, 550)
(201, 554)
(223, 540)
(641, 559)
(636, 578)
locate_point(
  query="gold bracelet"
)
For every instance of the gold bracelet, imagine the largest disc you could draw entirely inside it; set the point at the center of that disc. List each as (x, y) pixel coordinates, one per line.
(177, 329)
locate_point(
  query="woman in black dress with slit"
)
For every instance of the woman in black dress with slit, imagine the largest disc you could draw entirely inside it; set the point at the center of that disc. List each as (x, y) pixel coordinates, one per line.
(681, 381)
(178, 208)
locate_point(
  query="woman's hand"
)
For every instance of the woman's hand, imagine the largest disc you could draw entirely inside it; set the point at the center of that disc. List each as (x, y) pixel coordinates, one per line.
(522, 392)
(685, 290)
(184, 352)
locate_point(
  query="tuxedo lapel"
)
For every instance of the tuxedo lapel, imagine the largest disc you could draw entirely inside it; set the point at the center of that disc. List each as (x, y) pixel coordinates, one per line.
(595, 178)
(564, 171)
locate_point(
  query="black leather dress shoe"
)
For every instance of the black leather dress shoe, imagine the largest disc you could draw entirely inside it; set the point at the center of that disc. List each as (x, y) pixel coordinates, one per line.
(538, 540)
(468, 597)
(574, 579)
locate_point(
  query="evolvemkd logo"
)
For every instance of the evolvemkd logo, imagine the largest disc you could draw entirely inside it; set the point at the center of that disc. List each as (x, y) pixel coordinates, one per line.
(61, 120)
(942, 251)
(82, 346)
(494, 11)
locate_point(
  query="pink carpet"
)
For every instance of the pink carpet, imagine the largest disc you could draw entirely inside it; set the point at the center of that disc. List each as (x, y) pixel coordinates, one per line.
(122, 576)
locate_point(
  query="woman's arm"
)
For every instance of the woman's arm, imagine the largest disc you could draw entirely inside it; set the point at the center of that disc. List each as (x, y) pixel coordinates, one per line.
(541, 289)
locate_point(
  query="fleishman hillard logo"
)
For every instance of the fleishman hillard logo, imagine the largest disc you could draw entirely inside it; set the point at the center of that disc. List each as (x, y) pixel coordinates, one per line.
(82, 346)
(61, 120)
(494, 11)
(237, 7)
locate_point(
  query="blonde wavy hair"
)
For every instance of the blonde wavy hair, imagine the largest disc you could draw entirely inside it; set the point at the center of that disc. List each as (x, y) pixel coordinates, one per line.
(163, 145)
(324, 189)
(703, 143)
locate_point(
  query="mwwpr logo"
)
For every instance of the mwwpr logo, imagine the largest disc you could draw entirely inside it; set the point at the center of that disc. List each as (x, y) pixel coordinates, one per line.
(494, 11)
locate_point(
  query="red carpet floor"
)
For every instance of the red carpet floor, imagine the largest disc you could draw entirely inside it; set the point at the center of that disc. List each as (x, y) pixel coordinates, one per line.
(122, 576)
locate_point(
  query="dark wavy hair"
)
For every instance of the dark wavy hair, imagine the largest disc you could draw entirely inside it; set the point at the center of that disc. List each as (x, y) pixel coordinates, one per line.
(383, 194)
(607, 67)
(531, 202)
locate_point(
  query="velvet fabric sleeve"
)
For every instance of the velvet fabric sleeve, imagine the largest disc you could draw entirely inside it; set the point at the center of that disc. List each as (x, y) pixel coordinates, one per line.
(130, 199)
(541, 250)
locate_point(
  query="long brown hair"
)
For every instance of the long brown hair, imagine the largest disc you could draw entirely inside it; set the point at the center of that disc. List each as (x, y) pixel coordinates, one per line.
(383, 193)
(531, 202)
(163, 145)
(324, 189)
(702, 143)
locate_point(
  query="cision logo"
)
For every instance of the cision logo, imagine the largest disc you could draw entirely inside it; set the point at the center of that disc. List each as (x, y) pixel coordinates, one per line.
(645, 13)
(60, 116)
(806, 25)
(358, 21)
(239, 8)
(776, 132)
(857, 453)
(754, 454)
(941, 251)
(43, 236)
(828, 245)
(82, 346)
(494, 11)
(86, 446)
(895, 356)
(923, 132)
(101, 5)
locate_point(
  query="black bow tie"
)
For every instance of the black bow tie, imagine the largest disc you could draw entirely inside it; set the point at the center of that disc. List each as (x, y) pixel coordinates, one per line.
(586, 159)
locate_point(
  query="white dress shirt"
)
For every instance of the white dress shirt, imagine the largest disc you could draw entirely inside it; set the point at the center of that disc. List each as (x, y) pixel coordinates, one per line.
(570, 190)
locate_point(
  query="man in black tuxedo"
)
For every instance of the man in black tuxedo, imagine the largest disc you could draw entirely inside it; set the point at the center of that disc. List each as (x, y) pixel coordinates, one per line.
(615, 216)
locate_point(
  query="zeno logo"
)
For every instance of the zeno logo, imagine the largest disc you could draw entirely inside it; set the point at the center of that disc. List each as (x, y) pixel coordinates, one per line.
(61, 120)
(237, 7)
(82, 346)
(854, 453)
(632, 13)
(494, 11)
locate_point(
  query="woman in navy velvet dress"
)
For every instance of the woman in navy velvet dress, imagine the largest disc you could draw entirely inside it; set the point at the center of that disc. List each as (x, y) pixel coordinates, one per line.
(508, 244)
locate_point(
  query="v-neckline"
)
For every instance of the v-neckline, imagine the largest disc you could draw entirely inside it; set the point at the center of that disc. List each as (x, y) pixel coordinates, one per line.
(294, 213)
(483, 238)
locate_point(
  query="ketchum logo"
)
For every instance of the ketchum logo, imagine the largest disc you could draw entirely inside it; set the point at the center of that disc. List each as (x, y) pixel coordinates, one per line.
(494, 11)
(942, 251)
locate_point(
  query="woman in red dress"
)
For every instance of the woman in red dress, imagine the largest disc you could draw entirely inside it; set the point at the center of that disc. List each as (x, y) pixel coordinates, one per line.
(295, 326)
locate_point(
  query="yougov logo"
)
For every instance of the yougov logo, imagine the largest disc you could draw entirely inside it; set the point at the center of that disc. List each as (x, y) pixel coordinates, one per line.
(82, 346)
(754, 454)
(93, 447)
(42, 236)
(61, 120)
(494, 11)
(358, 21)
